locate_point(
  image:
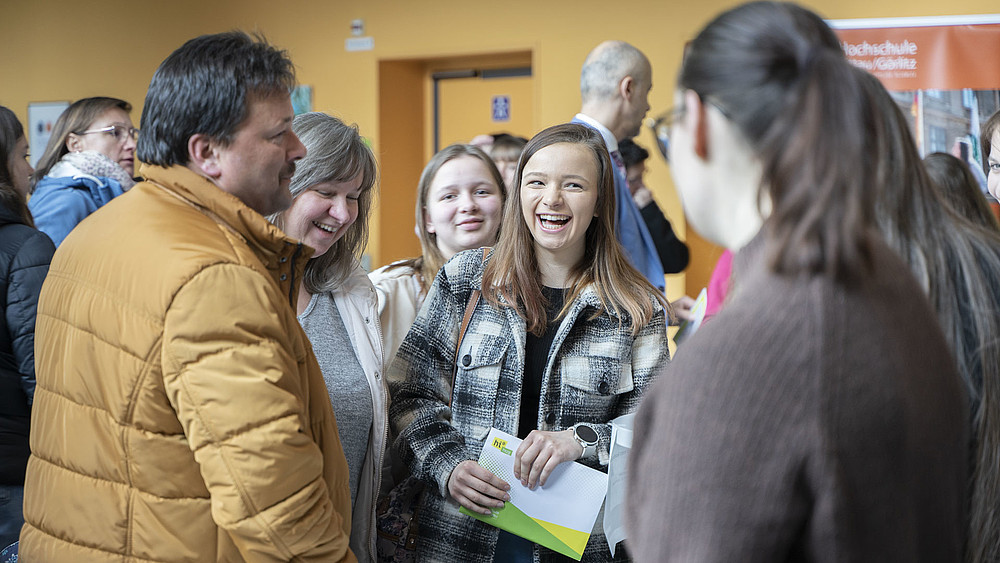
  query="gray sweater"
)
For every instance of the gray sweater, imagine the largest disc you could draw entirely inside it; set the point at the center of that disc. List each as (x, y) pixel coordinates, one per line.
(805, 422)
(345, 380)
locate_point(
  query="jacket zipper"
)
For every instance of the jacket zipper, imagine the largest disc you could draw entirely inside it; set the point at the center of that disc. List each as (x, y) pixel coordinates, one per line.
(291, 274)
(373, 310)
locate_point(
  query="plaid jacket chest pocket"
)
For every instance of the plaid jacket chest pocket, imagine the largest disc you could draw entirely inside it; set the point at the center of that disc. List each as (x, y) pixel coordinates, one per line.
(595, 373)
(477, 383)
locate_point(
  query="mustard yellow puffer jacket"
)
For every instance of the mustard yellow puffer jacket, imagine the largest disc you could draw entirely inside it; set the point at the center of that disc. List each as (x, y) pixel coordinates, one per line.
(180, 414)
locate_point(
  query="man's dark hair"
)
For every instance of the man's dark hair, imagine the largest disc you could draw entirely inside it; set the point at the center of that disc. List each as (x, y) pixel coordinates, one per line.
(632, 153)
(204, 87)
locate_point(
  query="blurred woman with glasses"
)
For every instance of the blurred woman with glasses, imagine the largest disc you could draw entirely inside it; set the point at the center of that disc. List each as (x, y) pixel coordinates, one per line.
(88, 162)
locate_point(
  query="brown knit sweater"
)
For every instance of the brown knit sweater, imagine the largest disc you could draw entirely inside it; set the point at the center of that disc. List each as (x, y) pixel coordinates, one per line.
(806, 422)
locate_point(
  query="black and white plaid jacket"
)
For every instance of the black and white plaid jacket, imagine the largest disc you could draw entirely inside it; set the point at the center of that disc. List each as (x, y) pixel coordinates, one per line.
(596, 371)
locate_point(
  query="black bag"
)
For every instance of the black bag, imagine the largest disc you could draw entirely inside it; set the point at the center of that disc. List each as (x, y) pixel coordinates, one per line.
(397, 522)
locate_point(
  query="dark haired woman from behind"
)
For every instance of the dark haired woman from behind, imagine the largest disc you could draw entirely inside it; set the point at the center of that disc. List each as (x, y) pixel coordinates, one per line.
(956, 258)
(819, 416)
(89, 161)
(960, 188)
(25, 254)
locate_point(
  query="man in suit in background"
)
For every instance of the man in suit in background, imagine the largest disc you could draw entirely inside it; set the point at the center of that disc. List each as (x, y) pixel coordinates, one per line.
(614, 91)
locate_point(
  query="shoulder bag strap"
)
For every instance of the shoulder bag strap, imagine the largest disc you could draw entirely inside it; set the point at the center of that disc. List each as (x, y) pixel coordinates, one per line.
(469, 308)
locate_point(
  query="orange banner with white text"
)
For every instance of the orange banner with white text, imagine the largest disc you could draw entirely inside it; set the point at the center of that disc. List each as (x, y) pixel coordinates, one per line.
(941, 57)
(942, 71)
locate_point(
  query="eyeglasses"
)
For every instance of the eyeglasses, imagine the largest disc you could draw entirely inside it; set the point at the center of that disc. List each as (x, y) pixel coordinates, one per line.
(661, 129)
(119, 132)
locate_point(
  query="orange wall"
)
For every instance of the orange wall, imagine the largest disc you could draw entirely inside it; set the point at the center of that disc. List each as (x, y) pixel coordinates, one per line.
(58, 50)
(402, 124)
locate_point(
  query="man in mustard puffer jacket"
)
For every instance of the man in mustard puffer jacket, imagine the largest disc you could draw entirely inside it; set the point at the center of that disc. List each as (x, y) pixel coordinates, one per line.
(180, 414)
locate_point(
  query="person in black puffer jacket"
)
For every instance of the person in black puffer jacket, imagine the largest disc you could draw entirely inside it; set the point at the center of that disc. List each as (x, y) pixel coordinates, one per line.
(25, 253)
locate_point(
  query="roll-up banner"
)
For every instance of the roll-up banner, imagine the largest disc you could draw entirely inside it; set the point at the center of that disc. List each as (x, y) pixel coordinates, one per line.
(943, 71)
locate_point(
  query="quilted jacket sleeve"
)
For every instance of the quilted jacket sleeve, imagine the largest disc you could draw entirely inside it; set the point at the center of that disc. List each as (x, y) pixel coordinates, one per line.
(27, 272)
(421, 378)
(239, 393)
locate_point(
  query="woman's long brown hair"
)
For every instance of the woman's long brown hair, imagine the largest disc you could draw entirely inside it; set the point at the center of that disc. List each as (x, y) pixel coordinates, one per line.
(958, 264)
(10, 132)
(777, 72)
(512, 279)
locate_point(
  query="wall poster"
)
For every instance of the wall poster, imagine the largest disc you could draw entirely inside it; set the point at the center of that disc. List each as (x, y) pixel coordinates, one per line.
(42, 118)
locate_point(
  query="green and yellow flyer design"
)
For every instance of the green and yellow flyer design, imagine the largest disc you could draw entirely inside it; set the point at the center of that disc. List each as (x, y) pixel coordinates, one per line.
(560, 515)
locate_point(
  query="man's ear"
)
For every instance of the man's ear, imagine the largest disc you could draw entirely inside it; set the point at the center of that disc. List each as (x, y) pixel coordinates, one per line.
(697, 122)
(626, 88)
(203, 155)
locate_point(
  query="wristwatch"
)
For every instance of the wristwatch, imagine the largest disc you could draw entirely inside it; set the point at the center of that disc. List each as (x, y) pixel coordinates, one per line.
(587, 438)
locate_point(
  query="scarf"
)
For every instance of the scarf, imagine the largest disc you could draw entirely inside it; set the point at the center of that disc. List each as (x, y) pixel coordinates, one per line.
(91, 163)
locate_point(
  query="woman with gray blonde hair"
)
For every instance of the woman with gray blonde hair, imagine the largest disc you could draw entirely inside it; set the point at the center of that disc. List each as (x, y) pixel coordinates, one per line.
(332, 192)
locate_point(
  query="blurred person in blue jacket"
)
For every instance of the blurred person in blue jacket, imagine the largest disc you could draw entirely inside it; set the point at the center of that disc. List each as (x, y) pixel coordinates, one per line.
(88, 162)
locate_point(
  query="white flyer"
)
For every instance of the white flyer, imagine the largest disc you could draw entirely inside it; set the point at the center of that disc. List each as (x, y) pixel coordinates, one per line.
(559, 515)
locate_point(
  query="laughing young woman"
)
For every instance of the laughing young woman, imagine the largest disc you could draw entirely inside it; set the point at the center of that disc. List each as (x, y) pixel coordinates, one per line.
(565, 338)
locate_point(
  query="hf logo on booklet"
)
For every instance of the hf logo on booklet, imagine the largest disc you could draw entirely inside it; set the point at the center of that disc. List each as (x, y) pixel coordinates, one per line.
(501, 445)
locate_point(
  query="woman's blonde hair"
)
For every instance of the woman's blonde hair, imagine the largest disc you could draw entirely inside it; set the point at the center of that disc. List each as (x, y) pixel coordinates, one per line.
(427, 264)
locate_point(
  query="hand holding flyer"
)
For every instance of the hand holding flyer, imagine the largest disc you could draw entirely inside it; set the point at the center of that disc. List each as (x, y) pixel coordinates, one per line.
(559, 515)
